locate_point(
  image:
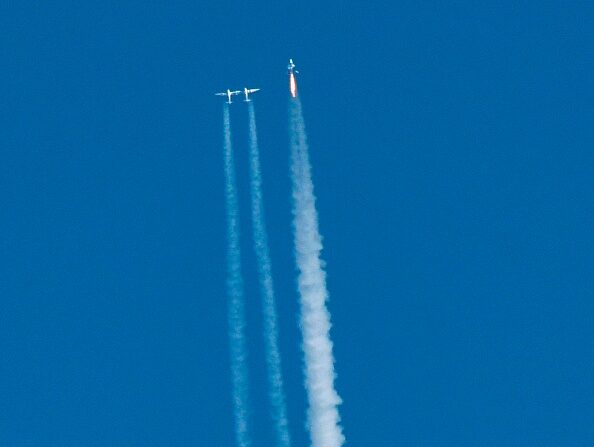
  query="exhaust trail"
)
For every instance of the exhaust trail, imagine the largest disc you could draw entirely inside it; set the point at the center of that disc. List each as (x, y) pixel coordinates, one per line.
(236, 309)
(323, 417)
(273, 359)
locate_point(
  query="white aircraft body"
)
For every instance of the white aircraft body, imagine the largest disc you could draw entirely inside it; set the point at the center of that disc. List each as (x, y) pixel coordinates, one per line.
(247, 91)
(228, 94)
(291, 67)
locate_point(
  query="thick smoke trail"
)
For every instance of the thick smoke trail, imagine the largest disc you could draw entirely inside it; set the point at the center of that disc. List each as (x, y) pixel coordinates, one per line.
(235, 291)
(323, 416)
(273, 359)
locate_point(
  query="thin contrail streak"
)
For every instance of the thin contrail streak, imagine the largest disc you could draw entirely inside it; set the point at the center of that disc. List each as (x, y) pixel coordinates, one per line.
(323, 416)
(235, 290)
(273, 359)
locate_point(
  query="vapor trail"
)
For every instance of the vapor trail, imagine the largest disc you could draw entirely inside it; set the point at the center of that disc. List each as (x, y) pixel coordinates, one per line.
(235, 290)
(323, 416)
(273, 359)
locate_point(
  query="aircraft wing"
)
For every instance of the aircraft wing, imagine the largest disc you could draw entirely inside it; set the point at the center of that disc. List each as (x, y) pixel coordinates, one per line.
(236, 92)
(252, 90)
(221, 94)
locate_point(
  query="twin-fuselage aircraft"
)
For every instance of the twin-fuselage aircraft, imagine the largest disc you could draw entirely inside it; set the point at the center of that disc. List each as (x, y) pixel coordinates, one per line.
(230, 93)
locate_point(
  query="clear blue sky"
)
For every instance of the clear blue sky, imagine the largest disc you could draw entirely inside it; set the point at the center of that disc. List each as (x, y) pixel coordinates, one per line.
(452, 155)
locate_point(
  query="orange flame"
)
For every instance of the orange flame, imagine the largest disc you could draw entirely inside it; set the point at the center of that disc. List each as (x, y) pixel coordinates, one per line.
(292, 85)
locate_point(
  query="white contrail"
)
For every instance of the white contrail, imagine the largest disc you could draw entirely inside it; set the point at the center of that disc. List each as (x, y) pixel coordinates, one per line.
(323, 416)
(273, 359)
(235, 291)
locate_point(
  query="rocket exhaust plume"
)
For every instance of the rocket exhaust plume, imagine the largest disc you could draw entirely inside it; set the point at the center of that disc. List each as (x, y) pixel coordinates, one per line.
(323, 416)
(235, 291)
(292, 85)
(273, 359)
(292, 80)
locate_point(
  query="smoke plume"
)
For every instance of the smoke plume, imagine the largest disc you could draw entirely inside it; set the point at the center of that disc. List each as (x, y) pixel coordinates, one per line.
(323, 416)
(236, 315)
(273, 359)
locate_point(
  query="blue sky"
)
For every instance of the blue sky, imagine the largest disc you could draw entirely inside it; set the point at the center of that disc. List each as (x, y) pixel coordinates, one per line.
(451, 152)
